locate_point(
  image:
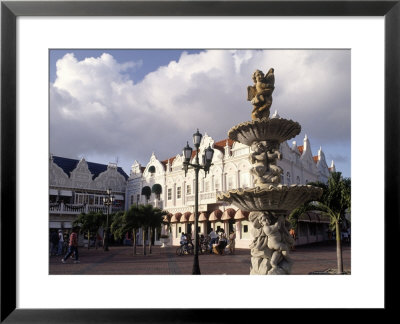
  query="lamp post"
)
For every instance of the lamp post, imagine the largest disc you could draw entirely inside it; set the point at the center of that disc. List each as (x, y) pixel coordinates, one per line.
(206, 159)
(108, 201)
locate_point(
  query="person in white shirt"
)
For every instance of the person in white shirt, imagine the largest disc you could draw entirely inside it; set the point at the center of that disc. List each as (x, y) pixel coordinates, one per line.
(214, 237)
(60, 242)
(183, 239)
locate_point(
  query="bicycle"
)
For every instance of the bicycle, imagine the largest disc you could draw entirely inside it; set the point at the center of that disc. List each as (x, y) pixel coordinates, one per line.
(184, 249)
(205, 245)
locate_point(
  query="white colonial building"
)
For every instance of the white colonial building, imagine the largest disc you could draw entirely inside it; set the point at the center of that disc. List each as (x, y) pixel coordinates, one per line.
(230, 170)
(77, 186)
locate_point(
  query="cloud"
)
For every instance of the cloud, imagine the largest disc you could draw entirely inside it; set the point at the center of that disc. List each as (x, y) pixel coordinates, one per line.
(96, 109)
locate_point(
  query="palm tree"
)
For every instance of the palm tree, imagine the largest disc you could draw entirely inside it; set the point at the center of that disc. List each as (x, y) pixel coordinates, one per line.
(156, 217)
(89, 223)
(124, 222)
(149, 219)
(334, 202)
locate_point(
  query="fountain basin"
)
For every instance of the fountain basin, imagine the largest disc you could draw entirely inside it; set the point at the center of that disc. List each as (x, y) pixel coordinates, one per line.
(279, 198)
(274, 129)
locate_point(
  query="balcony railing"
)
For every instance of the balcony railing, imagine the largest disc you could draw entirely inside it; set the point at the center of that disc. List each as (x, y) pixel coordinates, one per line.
(202, 196)
(79, 208)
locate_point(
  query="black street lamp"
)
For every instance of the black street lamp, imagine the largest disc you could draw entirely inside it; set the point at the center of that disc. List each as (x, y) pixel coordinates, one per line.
(108, 201)
(206, 159)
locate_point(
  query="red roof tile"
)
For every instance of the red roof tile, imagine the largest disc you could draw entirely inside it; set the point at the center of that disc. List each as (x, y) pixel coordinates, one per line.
(221, 144)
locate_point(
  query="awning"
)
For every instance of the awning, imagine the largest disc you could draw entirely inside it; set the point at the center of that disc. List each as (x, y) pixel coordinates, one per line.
(167, 218)
(53, 192)
(304, 218)
(203, 217)
(176, 218)
(228, 214)
(324, 219)
(240, 214)
(66, 193)
(67, 225)
(185, 217)
(55, 225)
(313, 217)
(119, 197)
(215, 215)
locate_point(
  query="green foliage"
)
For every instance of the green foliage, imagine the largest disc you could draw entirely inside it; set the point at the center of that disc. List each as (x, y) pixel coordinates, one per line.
(90, 222)
(334, 202)
(117, 224)
(125, 222)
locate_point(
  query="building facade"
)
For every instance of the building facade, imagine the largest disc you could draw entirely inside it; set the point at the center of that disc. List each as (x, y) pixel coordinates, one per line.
(230, 170)
(77, 186)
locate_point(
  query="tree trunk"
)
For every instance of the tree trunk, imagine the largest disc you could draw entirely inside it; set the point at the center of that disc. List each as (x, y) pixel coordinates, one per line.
(144, 240)
(134, 241)
(88, 239)
(150, 239)
(339, 249)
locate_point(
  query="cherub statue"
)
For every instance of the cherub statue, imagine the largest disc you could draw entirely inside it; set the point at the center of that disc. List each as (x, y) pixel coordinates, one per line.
(275, 239)
(259, 160)
(263, 158)
(274, 171)
(270, 241)
(260, 94)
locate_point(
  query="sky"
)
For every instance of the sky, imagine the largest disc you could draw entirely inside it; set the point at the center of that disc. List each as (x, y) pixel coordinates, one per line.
(123, 105)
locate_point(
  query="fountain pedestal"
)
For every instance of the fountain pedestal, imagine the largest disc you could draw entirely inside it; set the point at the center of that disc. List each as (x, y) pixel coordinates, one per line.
(269, 202)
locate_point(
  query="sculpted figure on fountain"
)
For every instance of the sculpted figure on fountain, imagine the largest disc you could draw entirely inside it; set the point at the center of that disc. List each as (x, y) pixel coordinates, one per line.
(271, 244)
(260, 94)
(265, 169)
(269, 202)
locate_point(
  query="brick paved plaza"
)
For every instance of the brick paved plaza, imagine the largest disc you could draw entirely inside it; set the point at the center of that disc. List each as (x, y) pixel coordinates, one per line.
(120, 261)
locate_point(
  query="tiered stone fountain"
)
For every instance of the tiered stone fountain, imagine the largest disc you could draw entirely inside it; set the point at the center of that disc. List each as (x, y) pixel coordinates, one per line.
(269, 202)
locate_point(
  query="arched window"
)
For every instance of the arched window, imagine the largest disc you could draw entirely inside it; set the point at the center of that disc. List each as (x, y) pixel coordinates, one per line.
(244, 180)
(146, 191)
(298, 180)
(288, 178)
(157, 190)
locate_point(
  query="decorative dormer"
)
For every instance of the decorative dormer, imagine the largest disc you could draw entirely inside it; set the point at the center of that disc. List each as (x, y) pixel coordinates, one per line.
(321, 164)
(112, 166)
(306, 144)
(332, 168)
(154, 167)
(136, 168)
(294, 147)
(168, 166)
(227, 149)
(306, 157)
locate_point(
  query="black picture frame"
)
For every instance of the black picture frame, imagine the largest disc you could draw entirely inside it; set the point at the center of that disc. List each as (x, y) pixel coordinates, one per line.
(10, 10)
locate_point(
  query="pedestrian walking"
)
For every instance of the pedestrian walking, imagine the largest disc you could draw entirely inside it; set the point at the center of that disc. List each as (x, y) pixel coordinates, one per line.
(60, 242)
(232, 237)
(53, 243)
(214, 237)
(292, 233)
(72, 247)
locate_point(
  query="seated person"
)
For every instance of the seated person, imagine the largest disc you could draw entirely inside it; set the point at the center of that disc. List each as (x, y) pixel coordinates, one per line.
(222, 243)
(183, 239)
